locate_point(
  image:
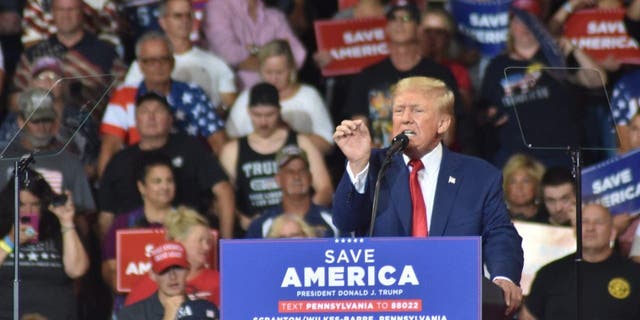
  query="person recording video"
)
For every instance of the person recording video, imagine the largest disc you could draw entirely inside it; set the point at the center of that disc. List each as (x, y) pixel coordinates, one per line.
(51, 252)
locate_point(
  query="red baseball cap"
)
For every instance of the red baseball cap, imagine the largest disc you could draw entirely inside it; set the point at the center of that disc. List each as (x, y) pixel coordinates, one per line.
(167, 255)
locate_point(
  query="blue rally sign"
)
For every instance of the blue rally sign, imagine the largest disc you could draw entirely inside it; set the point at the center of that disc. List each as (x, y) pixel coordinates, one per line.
(614, 183)
(482, 24)
(351, 279)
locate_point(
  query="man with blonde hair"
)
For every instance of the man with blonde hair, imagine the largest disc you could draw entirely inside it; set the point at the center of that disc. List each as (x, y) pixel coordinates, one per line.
(455, 195)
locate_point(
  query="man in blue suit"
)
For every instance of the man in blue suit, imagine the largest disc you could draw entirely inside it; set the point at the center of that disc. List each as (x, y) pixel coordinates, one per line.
(462, 195)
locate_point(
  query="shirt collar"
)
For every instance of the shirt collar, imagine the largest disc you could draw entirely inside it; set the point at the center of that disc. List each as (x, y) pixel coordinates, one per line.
(431, 160)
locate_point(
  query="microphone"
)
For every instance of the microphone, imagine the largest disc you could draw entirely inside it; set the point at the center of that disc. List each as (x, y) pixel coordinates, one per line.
(398, 144)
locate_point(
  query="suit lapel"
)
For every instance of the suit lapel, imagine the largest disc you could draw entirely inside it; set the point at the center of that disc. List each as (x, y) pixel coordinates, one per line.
(399, 195)
(449, 181)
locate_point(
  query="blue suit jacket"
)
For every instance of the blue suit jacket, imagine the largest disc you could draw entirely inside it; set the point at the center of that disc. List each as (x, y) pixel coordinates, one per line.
(468, 202)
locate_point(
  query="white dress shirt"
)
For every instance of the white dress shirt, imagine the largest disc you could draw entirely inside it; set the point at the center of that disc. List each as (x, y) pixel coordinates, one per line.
(427, 177)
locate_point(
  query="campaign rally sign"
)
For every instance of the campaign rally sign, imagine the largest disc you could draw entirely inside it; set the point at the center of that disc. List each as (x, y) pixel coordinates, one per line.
(482, 24)
(372, 278)
(614, 183)
(601, 33)
(133, 253)
(353, 44)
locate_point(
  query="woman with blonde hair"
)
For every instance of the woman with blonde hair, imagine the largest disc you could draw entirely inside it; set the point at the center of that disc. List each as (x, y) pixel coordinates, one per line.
(289, 225)
(191, 229)
(302, 107)
(521, 183)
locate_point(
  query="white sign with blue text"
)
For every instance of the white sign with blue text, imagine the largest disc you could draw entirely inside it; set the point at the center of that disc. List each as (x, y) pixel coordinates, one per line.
(614, 183)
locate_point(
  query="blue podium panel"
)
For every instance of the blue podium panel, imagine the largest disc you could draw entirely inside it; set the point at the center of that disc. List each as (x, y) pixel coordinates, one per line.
(351, 279)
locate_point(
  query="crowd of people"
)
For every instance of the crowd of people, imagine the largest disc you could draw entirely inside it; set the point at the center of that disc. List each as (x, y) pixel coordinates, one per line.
(169, 115)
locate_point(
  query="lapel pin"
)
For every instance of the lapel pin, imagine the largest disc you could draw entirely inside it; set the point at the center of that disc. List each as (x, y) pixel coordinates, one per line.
(452, 180)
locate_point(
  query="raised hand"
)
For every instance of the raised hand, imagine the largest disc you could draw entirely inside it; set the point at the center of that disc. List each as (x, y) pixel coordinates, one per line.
(353, 138)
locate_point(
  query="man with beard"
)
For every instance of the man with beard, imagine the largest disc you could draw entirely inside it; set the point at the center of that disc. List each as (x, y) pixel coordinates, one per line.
(62, 170)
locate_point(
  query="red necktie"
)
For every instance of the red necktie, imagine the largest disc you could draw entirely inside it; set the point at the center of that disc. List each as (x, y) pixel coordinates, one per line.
(419, 212)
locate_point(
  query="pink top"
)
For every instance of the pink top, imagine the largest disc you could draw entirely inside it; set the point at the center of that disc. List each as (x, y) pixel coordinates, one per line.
(231, 31)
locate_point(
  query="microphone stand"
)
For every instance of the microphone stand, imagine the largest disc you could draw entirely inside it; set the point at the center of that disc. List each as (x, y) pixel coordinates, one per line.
(576, 159)
(376, 193)
(19, 167)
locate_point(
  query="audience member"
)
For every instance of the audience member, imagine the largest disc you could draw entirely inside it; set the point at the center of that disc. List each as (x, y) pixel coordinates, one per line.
(237, 29)
(10, 44)
(610, 283)
(169, 269)
(290, 225)
(337, 87)
(294, 179)
(192, 64)
(51, 256)
(71, 115)
(632, 19)
(369, 95)
(544, 98)
(198, 175)
(38, 23)
(156, 184)
(83, 55)
(193, 112)
(559, 196)
(62, 170)
(364, 9)
(302, 107)
(250, 160)
(190, 229)
(521, 183)
(557, 21)
(437, 33)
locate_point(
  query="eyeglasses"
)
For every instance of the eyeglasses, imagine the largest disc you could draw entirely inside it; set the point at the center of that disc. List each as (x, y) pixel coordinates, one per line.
(401, 18)
(49, 75)
(155, 60)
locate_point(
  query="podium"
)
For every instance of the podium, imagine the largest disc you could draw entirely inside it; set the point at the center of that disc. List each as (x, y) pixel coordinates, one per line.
(354, 278)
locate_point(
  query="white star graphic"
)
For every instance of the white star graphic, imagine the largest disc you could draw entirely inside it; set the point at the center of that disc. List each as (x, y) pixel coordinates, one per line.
(180, 115)
(44, 256)
(32, 256)
(187, 98)
(192, 130)
(197, 109)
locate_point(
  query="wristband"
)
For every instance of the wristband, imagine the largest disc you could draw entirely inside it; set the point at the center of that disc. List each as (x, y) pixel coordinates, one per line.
(5, 247)
(567, 7)
(64, 229)
(8, 241)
